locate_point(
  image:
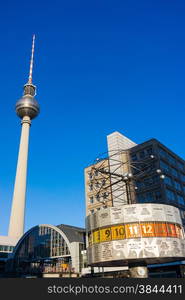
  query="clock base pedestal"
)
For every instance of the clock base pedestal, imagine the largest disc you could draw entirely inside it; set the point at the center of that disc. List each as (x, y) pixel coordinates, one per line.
(138, 271)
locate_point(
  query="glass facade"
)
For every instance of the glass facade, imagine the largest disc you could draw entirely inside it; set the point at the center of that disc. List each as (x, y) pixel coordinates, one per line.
(180, 200)
(177, 185)
(170, 195)
(164, 166)
(5, 251)
(148, 181)
(6, 248)
(182, 176)
(145, 153)
(42, 242)
(174, 172)
(163, 153)
(154, 196)
(43, 249)
(171, 159)
(180, 165)
(168, 180)
(169, 188)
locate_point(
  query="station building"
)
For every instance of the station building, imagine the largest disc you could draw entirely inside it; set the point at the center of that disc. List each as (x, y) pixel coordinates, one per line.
(45, 250)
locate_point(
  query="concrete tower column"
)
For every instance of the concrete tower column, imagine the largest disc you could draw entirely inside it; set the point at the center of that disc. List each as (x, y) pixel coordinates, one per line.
(16, 227)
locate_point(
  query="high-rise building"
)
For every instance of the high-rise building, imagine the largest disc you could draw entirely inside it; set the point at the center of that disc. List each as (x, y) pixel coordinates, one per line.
(157, 175)
(151, 188)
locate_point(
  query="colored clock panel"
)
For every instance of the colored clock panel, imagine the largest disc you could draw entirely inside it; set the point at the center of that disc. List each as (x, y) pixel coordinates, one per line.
(161, 230)
(171, 230)
(118, 232)
(105, 234)
(147, 229)
(96, 237)
(132, 230)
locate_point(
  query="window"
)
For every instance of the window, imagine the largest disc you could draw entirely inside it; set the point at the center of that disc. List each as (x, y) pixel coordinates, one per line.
(105, 195)
(140, 184)
(171, 159)
(149, 151)
(164, 166)
(155, 179)
(177, 185)
(174, 172)
(141, 154)
(180, 200)
(163, 153)
(180, 165)
(149, 197)
(97, 197)
(146, 167)
(97, 185)
(134, 157)
(90, 187)
(90, 175)
(98, 208)
(158, 196)
(168, 180)
(151, 167)
(1, 248)
(3, 255)
(92, 211)
(142, 198)
(170, 195)
(91, 200)
(182, 177)
(148, 181)
(103, 182)
(96, 172)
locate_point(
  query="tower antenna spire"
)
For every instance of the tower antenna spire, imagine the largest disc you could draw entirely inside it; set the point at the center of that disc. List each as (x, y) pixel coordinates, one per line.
(31, 61)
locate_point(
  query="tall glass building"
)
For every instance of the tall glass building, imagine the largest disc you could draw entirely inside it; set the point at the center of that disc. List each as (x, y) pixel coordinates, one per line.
(158, 175)
(163, 179)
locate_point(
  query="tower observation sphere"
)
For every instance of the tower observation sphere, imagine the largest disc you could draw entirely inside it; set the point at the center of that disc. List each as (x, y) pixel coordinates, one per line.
(27, 106)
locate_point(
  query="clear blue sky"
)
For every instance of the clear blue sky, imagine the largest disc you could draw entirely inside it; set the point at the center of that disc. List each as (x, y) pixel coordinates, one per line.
(100, 66)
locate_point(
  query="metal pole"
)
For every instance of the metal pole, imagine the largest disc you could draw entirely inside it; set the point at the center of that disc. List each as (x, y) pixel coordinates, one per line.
(127, 192)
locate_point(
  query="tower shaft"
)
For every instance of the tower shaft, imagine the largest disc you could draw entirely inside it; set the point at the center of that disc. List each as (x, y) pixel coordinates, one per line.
(16, 226)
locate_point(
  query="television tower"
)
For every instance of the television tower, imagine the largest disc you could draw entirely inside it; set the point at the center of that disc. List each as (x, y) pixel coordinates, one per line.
(27, 109)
